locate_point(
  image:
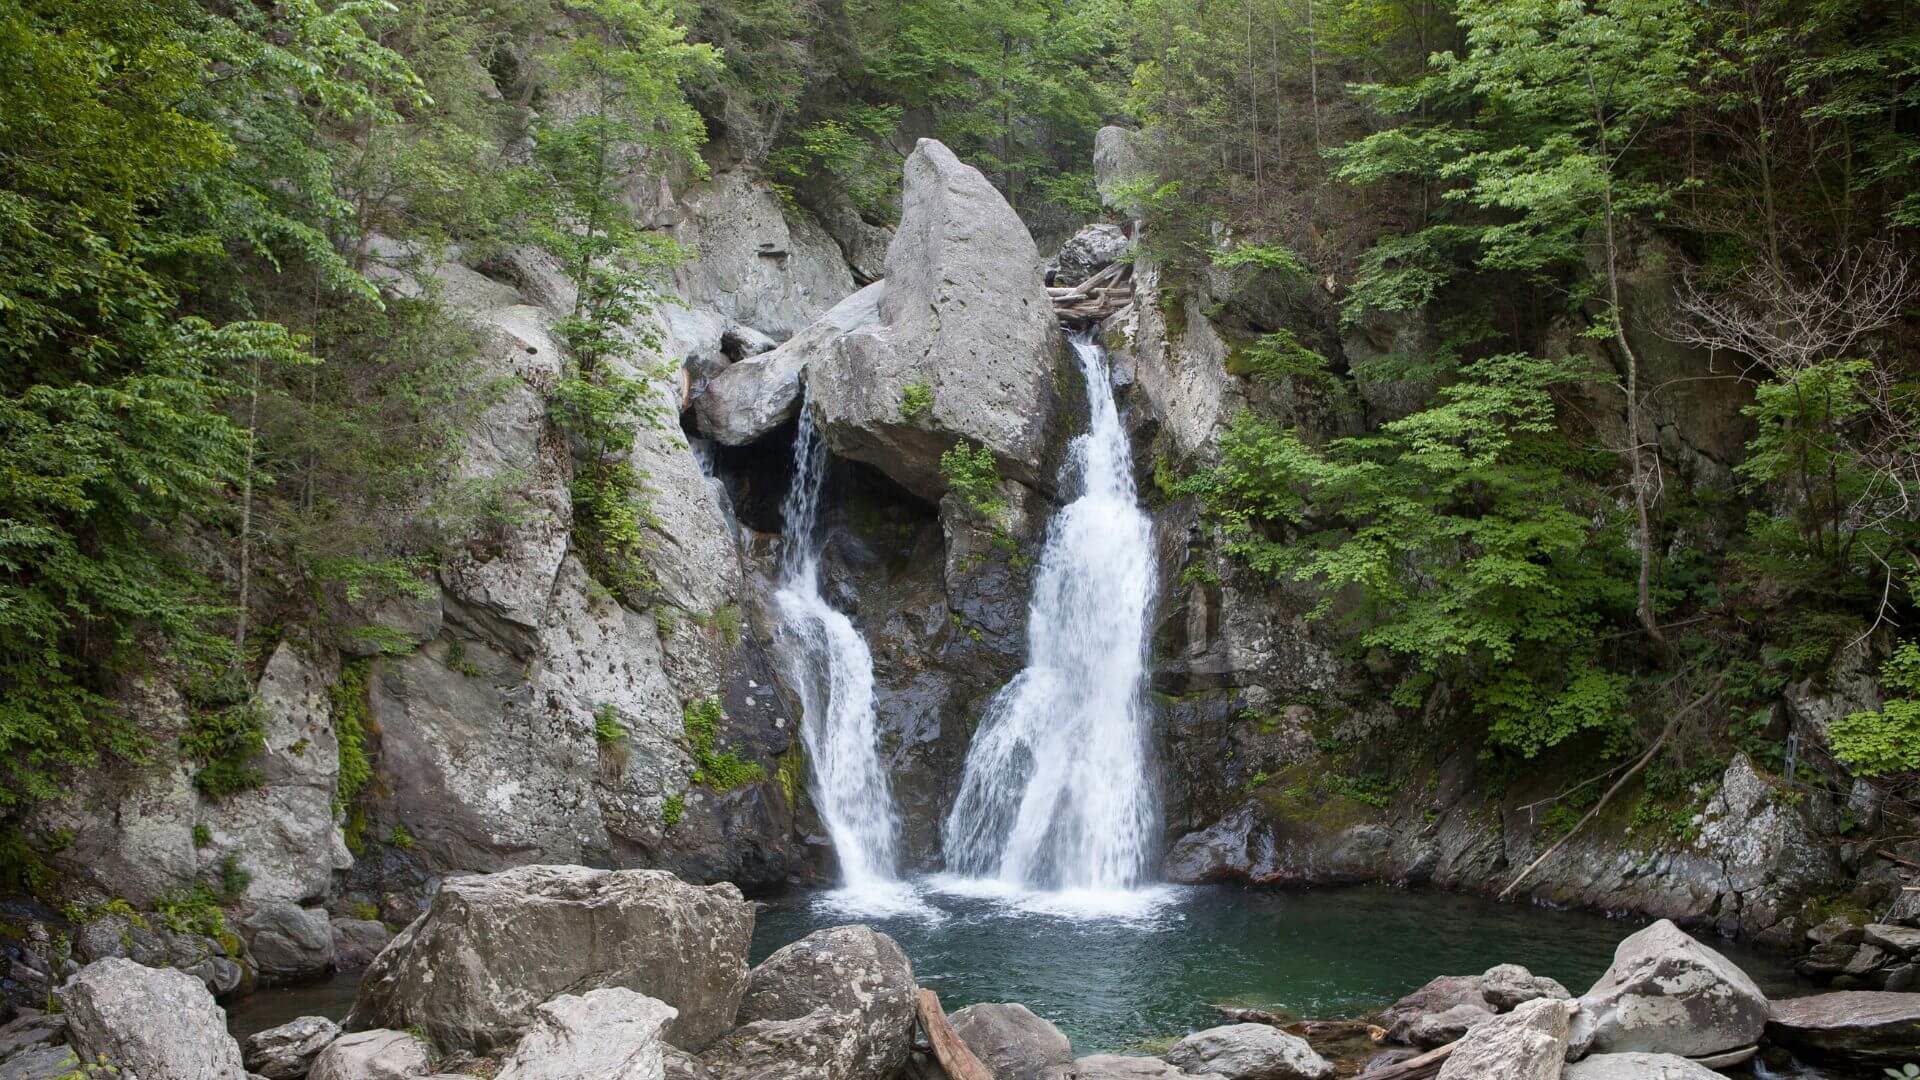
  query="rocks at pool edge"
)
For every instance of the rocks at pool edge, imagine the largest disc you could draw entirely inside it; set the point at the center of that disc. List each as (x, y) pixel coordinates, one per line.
(1529, 1043)
(1013, 1042)
(155, 1023)
(1869, 1029)
(1249, 1052)
(1666, 993)
(492, 948)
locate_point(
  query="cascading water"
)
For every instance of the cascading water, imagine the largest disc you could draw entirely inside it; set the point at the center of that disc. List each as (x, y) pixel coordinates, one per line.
(828, 663)
(1057, 792)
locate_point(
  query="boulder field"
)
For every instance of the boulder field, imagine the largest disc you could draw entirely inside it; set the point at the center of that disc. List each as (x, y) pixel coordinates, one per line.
(570, 973)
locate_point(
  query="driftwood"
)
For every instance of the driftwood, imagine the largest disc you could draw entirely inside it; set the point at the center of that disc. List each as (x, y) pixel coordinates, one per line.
(948, 1049)
(1097, 297)
(1416, 1068)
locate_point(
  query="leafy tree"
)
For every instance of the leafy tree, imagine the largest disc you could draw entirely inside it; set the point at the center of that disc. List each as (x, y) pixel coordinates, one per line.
(1455, 529)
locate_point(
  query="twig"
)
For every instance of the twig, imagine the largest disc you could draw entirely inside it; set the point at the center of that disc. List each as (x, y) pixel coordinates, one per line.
(1673, 724)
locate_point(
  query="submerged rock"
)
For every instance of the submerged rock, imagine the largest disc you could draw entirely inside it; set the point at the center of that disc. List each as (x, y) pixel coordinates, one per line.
(835, 1005)
(965, 324)
(607, 1034)
(1529, 1043)
(1013, 1042)
(1666, 993)
(492, 948)
(1249, 1052)
(1866, 1028)
(153, 1023)
(287, 1052)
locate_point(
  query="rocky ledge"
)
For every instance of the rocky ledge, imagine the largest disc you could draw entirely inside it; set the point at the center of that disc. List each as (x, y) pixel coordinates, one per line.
(570, 973)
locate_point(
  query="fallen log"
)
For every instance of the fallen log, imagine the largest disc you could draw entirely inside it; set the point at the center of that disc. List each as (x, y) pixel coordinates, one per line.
(1417, 1068)
(948, 1049)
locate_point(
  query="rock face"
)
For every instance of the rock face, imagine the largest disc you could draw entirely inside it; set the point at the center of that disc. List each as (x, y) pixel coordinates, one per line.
(748, 399)
(1249, 1052)
(1864, 1028)
(287, 1052)
(1637, 1067)
(374, 1055)
(837, 1003)
(1013, 1042)
(154, 1023)
(492, 948)
(612, 1033)
(1529, 1043)
(965, 319)
(1666, 993)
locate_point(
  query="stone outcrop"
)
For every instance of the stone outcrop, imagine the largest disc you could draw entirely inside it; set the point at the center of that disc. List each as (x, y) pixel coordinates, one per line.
(374, 1055)
(837, 1003)
(965, 319)
(1013, 1042)
(1529, 1043)
(153, 1023)
(287, 1052)
(1666, 993)
(607, 1034)
(1249, 1052)
(1863, 1029)
(748, 399)
(491, 949)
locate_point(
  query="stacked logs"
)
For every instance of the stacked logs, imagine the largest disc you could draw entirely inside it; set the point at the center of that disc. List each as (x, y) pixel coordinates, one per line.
(1095, 298)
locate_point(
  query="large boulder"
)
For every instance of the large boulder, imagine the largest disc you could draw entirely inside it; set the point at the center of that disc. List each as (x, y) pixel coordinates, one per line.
(835, 1005)
(374, 1055)
(1529, 1043)
(1249, 1052)
(357, 941)
(288, 941)
(154, 1023)
(287, 1052)
(1869, 1029)
(1507, 986)
(1637, 1067)
(965, 321)
(1438, 1012)
(607, 1034)
(1013, 1042)
(748, 399)
(472, 971)
(1666, 993)
(1088, 252)
(40, 1063)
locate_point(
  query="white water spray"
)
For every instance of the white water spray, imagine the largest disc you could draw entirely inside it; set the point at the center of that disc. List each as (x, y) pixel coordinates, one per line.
(1057, 792)
(828, 663)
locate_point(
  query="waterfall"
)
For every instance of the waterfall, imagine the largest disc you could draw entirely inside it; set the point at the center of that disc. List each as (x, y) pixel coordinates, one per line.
(828, 663)
(1057, 792)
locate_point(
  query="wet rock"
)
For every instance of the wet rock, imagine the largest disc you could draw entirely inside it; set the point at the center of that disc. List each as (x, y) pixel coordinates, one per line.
(374, 1055)
(1013, 1042)
(1088, 252)
(1116, 1067)
(40, 1063)
(1865, 1028)
(155, 1023)
(1900, 940)
(611, 1033)
(1666, 993)
(837, 1003)
(30, 1030)
(1637, 1067)
(1529, 1043)
(1506, 986)
(1438, 1012)
(492, 948)
(357, 941)
(752, 397)
(287, 1052)
(964, 317)
(1249, 1052)
(287, 941)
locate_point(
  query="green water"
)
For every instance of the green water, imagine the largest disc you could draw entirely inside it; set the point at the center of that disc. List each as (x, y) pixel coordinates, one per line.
(1111, 983)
